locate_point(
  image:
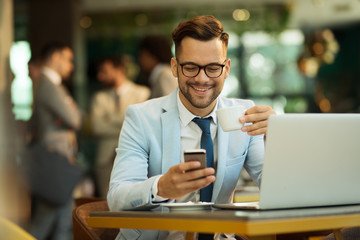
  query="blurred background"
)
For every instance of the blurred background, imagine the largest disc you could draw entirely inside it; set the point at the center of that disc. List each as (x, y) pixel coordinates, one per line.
(295, 55)
(299, 56)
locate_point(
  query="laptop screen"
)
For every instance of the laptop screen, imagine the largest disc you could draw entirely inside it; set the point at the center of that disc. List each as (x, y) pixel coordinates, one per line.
(311, 160)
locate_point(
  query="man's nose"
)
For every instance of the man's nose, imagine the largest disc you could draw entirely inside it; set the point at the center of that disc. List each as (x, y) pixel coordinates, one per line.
(202, 77)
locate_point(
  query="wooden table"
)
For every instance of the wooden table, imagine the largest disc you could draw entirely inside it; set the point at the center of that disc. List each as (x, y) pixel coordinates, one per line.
(257, 225)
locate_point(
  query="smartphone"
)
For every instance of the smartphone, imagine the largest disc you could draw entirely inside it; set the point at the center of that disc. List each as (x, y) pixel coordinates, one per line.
(196, 155)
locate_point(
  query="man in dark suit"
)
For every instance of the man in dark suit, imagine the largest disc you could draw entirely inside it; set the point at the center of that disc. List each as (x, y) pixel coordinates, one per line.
(56, 118)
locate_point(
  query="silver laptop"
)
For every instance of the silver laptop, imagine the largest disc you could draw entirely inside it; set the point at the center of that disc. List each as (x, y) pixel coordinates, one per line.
(311, 160)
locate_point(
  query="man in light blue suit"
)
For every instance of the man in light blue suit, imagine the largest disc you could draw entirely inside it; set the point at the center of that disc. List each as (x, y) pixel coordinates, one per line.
(149, 167)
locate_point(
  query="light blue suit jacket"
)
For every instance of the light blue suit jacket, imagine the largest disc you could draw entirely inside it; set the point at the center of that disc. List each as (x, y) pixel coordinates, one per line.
(149, 145)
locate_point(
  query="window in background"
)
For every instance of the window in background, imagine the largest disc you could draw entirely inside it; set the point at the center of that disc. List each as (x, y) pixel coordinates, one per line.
(271, 74)
(21, 88)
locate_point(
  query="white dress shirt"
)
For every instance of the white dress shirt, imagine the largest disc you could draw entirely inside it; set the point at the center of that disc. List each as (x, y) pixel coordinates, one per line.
(52, 75)
(190, 134)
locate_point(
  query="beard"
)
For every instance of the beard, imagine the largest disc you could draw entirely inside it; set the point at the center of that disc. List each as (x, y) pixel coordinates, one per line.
(199, 101)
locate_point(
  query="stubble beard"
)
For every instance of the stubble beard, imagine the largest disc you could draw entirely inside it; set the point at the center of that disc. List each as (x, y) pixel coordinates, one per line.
(198, 102)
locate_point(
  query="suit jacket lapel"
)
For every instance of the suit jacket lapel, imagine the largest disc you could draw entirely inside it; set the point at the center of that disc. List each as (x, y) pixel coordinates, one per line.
(171, 142)
(170, 133)
(222, 140)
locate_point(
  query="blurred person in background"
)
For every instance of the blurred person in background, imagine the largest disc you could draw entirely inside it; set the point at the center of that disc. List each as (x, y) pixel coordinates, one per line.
(35, 66)
(54, 123)
(155, 56)
(107, 114)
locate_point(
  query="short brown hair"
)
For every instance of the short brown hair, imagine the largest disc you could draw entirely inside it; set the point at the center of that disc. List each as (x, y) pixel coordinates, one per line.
(203, 28)
(115, 60)
(50, 48)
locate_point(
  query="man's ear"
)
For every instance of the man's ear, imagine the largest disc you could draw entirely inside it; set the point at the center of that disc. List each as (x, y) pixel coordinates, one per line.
(227, 68)
(174, 68)
(54, 60)
(55, 57)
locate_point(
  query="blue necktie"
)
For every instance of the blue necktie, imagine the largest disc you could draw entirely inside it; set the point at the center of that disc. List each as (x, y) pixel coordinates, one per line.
(207, 144)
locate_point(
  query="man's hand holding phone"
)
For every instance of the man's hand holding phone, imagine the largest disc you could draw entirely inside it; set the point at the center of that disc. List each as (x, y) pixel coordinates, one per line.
(186, 177)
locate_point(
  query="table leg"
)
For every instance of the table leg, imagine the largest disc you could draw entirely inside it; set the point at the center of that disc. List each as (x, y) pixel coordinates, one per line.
(337, 234)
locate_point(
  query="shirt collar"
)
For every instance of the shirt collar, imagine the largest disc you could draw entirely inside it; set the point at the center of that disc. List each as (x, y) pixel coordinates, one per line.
(53, 76)
(186, 116)
(123, 88)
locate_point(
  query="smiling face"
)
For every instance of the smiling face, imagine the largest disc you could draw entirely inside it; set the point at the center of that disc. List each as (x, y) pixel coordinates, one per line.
(199, 94)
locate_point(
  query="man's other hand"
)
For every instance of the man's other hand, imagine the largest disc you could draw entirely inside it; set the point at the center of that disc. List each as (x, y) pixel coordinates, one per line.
(258, 116)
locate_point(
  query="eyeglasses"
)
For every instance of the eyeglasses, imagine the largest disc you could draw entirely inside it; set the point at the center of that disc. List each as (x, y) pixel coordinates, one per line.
(212, 70)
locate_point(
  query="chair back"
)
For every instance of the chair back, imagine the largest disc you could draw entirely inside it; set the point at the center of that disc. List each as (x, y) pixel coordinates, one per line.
(80, 226)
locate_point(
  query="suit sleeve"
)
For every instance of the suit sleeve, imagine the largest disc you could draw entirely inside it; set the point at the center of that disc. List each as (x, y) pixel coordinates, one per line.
(62, 105)
(255, 157)
(130, 187)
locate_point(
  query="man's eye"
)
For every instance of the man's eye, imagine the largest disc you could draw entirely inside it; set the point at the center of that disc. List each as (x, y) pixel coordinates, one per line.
(212, 68)
(190, 68)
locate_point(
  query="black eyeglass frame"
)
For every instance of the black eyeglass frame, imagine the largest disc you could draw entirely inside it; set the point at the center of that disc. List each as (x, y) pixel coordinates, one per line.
(202, 67)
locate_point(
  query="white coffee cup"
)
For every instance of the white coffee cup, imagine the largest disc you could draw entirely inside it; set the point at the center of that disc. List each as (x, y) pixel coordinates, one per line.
(229, 117)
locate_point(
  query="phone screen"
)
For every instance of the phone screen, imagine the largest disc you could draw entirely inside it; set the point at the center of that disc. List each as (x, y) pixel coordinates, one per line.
(196, 155)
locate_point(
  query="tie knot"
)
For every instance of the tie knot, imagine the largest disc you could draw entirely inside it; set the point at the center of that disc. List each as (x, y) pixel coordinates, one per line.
(203, 123)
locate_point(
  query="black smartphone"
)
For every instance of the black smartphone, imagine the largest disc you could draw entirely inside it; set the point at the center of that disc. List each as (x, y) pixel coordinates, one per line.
(196, 155)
